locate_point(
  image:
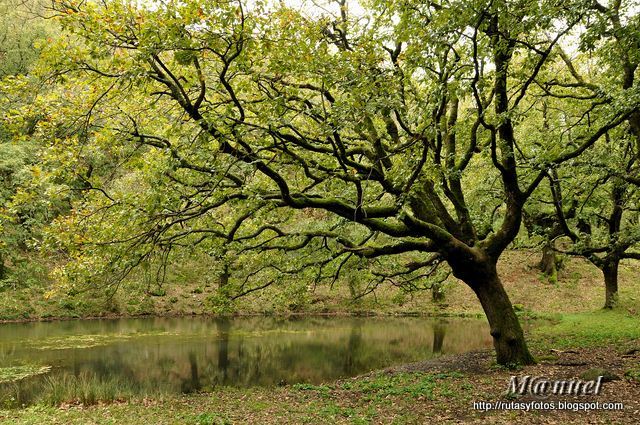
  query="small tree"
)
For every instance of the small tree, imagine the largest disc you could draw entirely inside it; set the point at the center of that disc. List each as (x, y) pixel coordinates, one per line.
(603, 183)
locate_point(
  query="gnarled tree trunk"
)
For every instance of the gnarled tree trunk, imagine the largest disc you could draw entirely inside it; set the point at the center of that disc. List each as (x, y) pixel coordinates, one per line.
(508, 338)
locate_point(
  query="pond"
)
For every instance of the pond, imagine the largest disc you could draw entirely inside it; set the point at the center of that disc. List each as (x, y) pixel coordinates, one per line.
(182, 355)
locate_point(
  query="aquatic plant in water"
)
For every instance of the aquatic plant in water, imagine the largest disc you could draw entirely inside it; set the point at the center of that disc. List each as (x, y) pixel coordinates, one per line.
(18, 373)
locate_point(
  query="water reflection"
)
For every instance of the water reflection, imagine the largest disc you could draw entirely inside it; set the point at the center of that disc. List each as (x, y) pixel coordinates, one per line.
(439, 329)
(194, 354)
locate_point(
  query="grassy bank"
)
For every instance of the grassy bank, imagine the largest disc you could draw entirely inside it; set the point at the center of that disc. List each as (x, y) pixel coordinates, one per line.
(442, 389)
(189, 290)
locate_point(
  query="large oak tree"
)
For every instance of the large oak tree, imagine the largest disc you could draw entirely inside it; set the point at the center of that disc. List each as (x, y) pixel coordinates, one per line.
(393, 121)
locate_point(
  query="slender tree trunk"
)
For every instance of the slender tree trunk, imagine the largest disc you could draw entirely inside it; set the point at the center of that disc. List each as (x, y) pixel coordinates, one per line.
(3, 270)
(508, 337)
(224, 276)
(610, 272)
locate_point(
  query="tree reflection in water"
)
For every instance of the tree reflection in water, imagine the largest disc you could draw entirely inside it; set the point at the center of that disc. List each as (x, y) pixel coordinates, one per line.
(439, 329)
(196, 354)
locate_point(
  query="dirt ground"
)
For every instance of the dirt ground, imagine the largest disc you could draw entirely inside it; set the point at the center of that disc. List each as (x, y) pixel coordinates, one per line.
(490, 384)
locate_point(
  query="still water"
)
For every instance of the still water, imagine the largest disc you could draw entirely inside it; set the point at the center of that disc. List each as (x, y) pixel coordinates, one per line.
(181, 355)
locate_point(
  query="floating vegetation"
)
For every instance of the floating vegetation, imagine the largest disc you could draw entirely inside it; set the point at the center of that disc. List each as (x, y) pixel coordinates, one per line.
(18, 373)
(89, 341)
(71, 342)
(78, 341)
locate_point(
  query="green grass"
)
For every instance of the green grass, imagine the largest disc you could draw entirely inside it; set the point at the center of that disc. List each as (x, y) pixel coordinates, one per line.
(367, 397)
(380, 398)
(588, 329)
(85, 389)
(55, 390)
(633, 374)
(401, 384)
